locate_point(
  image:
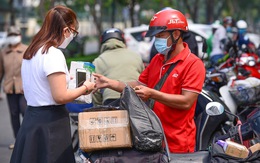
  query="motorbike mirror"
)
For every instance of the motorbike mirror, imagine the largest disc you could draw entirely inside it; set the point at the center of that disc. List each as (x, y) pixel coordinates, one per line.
(204, 46)
(214, 108)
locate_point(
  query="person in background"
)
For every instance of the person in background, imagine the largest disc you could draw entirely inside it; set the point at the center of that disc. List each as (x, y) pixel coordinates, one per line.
(218, 42)
(232, 37)
(214, 27)
(175, 102)
(243, 40)
(117, 62)
(11, 57)
(45, 134)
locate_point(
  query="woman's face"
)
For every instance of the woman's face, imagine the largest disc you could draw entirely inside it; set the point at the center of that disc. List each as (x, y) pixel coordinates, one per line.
(67, 31)
(68, 34)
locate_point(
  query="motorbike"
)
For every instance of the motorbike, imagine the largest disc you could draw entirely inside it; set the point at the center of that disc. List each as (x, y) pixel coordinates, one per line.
(245, 61)
(241, 63)
(246, 133)
(238, 67)
(241, 98)
(208, 127)
(248, 130)
(74, 108)
(239, 133)
(214, 80)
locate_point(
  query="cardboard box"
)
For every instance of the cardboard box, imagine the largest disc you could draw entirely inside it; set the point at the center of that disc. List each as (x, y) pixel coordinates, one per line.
(255, 147)
(236, 150)
(103, 130)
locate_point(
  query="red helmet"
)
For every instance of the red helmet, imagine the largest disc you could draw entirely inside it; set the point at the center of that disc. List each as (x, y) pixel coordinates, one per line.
(167, 20)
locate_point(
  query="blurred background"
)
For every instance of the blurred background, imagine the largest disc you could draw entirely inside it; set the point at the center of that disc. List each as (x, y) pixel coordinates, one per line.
(132, 16)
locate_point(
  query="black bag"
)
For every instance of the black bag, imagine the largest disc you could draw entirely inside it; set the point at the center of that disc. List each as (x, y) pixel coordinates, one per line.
(147, 134)
(217, 155)
(146, 129)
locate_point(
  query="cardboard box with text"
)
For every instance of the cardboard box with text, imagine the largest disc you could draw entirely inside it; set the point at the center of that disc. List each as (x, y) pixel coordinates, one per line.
(103, 130)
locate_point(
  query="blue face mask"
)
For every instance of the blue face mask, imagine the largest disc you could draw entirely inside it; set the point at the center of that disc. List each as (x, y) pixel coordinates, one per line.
(242, 31)
(229, 29)
(161, 45)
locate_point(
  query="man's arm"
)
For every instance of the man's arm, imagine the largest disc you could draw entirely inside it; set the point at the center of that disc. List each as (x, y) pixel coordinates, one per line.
(104, 82)
(184, 101)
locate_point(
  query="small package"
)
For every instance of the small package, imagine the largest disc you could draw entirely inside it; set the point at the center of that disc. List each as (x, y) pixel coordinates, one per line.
(103, 130)
(255, 147)
(236, 150)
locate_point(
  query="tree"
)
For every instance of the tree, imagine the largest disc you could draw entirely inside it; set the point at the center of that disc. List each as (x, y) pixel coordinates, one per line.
(44, 6)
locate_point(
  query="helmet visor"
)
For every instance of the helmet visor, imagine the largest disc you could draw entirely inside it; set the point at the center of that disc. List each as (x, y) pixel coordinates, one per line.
(152, 31)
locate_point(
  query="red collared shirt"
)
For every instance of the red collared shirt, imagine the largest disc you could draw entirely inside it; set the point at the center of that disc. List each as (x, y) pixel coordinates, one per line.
(189, 74)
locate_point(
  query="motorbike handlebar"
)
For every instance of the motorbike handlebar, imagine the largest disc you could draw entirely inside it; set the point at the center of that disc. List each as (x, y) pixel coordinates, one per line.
(223, 137)
(246, 132)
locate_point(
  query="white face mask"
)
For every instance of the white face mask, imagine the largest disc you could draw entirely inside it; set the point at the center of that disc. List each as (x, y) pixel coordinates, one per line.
(13, 40)
(66, 41)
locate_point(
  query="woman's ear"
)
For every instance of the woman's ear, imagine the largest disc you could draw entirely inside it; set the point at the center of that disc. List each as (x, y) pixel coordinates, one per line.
(66, 32)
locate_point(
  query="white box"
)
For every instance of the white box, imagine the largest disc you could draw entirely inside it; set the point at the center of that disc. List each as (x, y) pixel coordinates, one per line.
(72, 84)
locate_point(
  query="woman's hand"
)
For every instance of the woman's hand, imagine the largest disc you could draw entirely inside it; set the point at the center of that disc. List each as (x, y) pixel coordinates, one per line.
(90, 86)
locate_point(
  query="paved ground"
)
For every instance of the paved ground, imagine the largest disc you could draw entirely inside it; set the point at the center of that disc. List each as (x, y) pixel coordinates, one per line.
(6, 134)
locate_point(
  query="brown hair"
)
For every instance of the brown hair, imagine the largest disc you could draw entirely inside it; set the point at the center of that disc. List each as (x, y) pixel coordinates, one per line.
(50, 33)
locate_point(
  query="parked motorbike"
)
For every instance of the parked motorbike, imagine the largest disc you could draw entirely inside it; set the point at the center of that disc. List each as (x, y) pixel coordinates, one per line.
(238, 133)
(208, 127)
(74, 108)
(238, 64)
(241, 132)
(246, 62)
(219, 77)
(241, 100)
(231, 147)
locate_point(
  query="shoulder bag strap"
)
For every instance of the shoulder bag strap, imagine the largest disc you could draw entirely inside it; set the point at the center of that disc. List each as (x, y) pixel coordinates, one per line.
(160, 83)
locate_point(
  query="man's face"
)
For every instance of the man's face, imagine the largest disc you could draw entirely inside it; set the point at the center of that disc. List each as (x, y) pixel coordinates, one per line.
(165, 35)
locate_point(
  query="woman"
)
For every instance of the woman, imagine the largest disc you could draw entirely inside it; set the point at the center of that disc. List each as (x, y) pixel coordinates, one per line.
(11, 57)
(44, 136)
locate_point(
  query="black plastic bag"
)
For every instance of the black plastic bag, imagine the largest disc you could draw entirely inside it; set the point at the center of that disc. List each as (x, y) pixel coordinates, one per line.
(147, 132)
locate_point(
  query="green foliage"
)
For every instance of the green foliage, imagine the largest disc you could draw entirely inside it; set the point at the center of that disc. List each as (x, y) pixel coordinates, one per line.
(238, 9)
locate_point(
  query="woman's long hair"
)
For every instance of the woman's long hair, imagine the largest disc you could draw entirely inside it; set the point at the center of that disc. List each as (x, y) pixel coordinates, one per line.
(50, 33)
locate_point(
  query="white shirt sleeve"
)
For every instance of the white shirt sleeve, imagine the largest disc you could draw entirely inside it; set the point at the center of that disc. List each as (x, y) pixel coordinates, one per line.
(54, 61)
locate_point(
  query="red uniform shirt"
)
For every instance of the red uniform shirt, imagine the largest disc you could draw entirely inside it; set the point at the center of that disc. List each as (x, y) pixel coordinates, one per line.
(189, 74)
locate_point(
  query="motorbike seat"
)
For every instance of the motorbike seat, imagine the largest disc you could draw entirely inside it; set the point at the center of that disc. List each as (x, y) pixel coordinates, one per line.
(196, 157)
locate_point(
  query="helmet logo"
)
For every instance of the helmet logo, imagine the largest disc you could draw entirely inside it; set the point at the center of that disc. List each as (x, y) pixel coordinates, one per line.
(154, 17)
(175, 21)
(111, 30)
